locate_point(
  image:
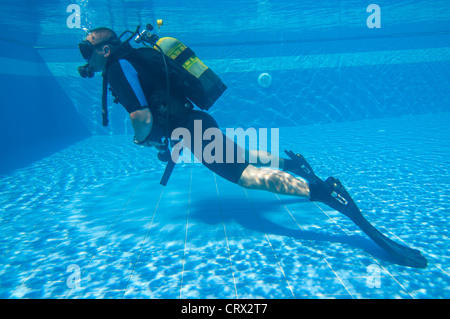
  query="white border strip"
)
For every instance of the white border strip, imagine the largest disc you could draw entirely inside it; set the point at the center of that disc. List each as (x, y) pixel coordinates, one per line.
(10, 66)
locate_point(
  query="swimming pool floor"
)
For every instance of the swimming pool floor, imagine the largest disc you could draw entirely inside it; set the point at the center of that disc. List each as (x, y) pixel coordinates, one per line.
(95, 212)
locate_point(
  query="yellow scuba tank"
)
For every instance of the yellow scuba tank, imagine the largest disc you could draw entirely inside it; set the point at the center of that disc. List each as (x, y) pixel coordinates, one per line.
(213, 87)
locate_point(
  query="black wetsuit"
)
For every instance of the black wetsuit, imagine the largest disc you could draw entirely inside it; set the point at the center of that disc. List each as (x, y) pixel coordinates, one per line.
(138, 80)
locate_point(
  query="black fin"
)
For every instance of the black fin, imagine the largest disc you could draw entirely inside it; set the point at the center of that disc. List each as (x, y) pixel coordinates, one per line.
(341, 200)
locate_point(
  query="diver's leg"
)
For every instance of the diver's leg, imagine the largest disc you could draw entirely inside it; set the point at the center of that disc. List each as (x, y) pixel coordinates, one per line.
(296, 163)
(280, 182)
(264, 159)
(274, 181)
(330, 192)
(245, 174)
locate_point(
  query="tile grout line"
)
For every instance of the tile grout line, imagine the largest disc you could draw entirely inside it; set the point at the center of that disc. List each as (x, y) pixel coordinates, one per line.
(143, 243)
(332, 219)
(376, 261)
(186, 233)
(270, 244)
(226, 236)
(374, 223)
(324, 258)
(396, 237)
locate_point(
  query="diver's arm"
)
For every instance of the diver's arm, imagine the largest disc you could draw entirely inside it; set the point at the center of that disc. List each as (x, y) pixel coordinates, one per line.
(125, 83)
(142, 122)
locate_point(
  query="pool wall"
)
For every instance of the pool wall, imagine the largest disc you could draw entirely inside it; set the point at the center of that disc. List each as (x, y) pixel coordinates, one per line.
(327, 64)
(36, 116)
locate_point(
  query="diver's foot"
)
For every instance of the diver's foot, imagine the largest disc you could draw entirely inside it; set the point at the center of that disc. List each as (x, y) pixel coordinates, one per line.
(333, 193)
(298, 165)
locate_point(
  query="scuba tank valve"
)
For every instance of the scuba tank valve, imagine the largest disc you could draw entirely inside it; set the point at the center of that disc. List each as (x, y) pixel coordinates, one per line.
(146, 36)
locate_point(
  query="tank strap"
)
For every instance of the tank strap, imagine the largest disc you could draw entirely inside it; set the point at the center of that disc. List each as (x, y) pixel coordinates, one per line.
(184, 56)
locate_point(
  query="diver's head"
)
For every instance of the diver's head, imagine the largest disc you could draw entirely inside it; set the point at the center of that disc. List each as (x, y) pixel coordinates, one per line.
(97, 47)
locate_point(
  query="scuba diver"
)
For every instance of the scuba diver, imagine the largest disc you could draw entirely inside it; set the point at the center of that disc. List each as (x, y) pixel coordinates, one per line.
(159, 91)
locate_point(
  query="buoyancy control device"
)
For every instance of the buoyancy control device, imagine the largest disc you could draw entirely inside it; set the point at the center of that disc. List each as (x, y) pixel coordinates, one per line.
(203, 96)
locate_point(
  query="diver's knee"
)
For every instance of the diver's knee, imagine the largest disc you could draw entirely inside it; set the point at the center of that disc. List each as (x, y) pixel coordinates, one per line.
(248, 177)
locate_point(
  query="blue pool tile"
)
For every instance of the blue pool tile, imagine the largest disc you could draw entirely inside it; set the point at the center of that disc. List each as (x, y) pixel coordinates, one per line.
(204, 237)
(145, 292)
(278, 289)
(211, 291)
(206, 233)
(384, 287)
